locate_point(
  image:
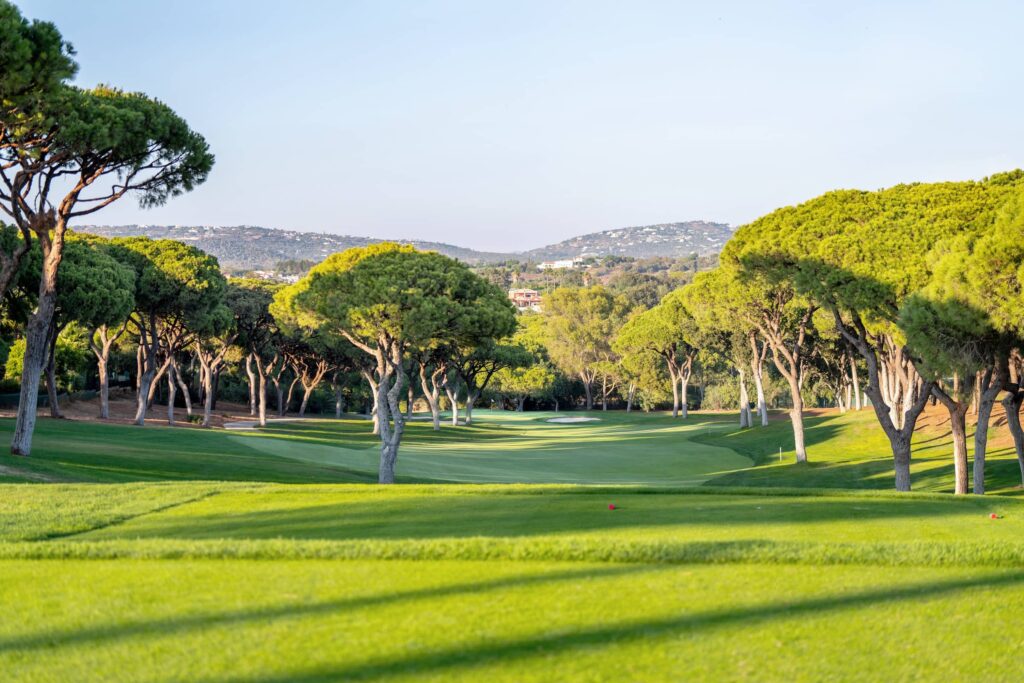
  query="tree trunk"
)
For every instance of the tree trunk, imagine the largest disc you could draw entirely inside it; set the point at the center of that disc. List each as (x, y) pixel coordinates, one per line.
(392, 422)
(408, 402)
(990, 383)
(36, 337)
(215, 386)
(279, 397)
(744, 402)
(684, 385)
(674, 379)
(101, 368)
(857, 404)
(1012, 404)
(252, 384)
(757, 370)
(261, 397)
(590, 395)
(453, 399)
(51, 376)
(172, 392)
(796, 415)
(471, 398)
(629, 397)
(206, 377)
(432, 393)
(185, 394)
(957, 410)
(142, 396)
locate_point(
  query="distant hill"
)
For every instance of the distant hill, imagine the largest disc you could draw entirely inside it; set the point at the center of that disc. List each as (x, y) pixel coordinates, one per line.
(247, 247)
(665, 239)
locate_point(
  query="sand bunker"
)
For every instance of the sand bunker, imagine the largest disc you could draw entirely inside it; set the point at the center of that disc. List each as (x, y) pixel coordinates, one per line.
(574, 419)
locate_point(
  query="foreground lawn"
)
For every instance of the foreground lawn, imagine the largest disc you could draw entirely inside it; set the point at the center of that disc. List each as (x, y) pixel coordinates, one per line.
(236, 620)
(198, 581)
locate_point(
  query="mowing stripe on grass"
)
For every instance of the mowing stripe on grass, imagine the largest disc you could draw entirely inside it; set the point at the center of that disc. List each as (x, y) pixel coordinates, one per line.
(919, 554)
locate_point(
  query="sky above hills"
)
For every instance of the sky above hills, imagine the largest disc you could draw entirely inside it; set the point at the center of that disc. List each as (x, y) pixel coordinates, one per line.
(507, 125)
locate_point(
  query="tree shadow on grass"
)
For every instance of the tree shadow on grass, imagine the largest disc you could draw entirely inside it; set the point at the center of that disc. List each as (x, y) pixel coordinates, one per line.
(459, 657)
(164, 627)
(444, 515)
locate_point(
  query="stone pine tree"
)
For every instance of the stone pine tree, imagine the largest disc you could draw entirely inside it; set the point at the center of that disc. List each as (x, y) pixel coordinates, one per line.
(386, 299)
(179, 292)
(80, 151)
(967, 323)
(860, 256)
(668, 331)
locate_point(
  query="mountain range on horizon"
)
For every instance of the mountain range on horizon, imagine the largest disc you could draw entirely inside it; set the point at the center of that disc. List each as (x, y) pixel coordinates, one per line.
(247, 247)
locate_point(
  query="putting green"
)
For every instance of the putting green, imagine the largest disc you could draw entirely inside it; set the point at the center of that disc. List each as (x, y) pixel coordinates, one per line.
(506, 447)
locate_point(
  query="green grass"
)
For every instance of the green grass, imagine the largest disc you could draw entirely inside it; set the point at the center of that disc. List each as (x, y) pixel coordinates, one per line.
(851, 452)
(236, 620)
(280, 582)
(500, 447)
(846, 452)
(754, 570)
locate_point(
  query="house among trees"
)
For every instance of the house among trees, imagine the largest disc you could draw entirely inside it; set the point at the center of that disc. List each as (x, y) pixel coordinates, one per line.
(564, 263)
(525, 299)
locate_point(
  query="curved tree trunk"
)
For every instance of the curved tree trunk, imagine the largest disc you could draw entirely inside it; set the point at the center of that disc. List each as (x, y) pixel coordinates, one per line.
(1012, 403)
(252, 384)
(185, 393)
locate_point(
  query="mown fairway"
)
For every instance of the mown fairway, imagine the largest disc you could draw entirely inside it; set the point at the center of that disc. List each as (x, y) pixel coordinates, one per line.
(249, 581)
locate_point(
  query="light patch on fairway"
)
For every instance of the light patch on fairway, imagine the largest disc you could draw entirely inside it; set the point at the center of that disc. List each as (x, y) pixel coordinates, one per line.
(570, 420)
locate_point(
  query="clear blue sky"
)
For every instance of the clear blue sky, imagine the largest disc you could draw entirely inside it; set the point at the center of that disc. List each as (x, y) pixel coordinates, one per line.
(507, 125)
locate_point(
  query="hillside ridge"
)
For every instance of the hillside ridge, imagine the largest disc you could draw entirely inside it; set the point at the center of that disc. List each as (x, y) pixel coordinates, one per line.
(246, 247)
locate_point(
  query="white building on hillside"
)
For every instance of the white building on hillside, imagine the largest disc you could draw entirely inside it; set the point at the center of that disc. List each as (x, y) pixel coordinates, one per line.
(564, 263)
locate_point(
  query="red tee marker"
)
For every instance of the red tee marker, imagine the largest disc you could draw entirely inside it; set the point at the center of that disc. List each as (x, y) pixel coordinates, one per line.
(611, 506)
(993, 516)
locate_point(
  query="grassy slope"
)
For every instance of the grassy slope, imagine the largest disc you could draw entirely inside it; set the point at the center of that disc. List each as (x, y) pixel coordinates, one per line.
(851, 451)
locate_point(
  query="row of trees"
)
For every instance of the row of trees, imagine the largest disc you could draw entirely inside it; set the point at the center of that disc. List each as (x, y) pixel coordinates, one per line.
(887, 299)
